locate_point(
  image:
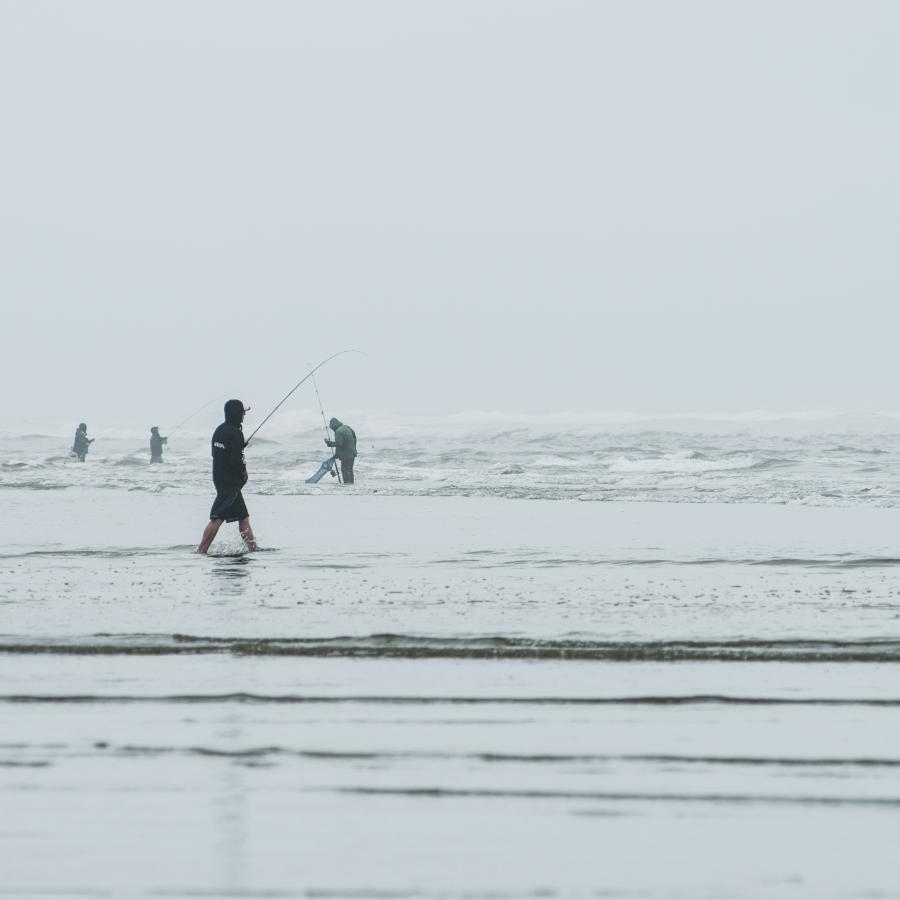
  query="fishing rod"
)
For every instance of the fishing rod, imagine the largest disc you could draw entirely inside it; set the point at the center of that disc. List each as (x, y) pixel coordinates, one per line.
(196, 412)
(334, 469)
(294, 388)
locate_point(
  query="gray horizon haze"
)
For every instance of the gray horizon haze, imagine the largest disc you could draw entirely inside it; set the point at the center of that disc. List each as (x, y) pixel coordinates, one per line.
(516, 206)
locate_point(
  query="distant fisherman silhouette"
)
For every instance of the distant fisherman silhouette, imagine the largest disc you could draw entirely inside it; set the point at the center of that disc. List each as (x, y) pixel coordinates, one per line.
(229, 472)
(156, 444)
(344, 444)
(82, 442)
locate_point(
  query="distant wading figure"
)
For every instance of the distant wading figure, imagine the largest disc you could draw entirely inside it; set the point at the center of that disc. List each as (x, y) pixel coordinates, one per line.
(156, 444)
(82, 443)
(229, 472)
(344, 444)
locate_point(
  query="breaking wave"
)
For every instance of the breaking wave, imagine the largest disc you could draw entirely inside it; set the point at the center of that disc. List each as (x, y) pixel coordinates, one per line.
(691, 463)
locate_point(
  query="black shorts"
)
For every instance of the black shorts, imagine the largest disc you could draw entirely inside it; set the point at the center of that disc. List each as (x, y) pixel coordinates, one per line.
(229, 505)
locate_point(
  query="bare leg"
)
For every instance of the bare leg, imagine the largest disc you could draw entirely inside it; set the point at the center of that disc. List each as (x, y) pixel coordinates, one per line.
(247, 533)
(209, 534)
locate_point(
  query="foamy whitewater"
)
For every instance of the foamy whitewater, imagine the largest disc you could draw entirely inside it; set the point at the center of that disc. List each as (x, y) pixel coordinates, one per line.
(814, 460)
(564, 656)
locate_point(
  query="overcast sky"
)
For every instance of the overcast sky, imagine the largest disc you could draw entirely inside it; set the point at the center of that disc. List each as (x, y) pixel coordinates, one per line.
(517, 206)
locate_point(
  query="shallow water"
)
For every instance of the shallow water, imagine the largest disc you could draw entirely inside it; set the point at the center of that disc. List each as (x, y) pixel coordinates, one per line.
(450, 686)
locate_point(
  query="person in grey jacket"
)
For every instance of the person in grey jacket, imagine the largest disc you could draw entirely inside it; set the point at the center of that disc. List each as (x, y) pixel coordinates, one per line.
(344, 444)
(156, 444)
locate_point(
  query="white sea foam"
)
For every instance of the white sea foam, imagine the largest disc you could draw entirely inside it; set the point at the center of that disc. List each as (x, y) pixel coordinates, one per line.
(553, 457)
(684, 462)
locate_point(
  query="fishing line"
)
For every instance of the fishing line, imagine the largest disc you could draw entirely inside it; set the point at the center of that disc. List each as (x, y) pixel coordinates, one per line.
(334, 468)
(294, 388)
(196, 412)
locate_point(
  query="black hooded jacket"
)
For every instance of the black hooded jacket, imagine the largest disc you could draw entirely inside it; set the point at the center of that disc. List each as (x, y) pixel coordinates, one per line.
(229, 469)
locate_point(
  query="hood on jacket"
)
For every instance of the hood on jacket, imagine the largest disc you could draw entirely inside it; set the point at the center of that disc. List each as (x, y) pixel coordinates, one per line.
(234, 412)
(334, 424)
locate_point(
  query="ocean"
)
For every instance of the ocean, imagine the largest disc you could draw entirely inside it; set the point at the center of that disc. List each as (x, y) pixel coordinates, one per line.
(561, 656)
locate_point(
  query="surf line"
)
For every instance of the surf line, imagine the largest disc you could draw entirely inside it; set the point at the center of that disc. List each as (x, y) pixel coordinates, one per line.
(294, 388)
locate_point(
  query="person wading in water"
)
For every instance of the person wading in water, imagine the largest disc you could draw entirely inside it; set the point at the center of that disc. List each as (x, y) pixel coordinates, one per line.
(344, 444)
(82, 443)
(229, 473)
(156, 444)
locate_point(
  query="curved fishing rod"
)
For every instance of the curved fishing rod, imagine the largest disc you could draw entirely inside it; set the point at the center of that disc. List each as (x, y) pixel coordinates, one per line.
(294, 388)
(321, 408)
(334, 468)
(196, 412)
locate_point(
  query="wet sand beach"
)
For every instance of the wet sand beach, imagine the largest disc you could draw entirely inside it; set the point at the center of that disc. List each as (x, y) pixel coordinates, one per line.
(448, 697)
